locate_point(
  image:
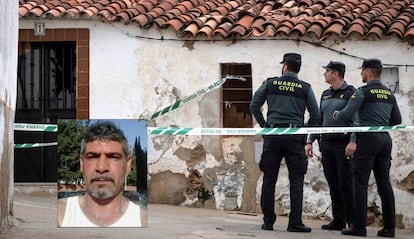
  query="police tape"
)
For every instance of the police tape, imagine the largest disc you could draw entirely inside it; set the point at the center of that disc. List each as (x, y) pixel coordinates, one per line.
(222, 131)
(195, 95)
(34, 145)
(35, 127)
(272, 131)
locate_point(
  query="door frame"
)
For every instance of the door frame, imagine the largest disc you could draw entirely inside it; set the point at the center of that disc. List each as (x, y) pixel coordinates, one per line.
(81, 37)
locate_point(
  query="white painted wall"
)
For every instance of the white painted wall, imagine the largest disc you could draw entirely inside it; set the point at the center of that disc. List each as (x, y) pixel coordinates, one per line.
(132, 76)
(127, 68)
(8, 86)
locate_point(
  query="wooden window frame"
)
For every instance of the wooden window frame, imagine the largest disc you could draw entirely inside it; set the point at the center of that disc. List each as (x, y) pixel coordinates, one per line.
(233, 89)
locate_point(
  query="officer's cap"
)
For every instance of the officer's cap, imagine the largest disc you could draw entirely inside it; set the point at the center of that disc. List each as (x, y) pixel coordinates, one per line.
(372, 63)
(291, 58)
(336, 66)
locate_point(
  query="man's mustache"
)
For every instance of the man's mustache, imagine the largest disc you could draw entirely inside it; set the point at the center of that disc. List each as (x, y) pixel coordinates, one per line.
(102, 178)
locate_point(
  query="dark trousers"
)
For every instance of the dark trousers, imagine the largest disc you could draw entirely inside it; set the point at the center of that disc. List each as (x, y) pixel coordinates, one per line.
(275, 147)
(337, 170)
(373, 153)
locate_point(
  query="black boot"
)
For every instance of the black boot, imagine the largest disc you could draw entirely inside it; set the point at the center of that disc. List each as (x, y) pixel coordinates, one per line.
(354, 231)
(298, 228)
(267, 227)
(334, 225)
(386, 232)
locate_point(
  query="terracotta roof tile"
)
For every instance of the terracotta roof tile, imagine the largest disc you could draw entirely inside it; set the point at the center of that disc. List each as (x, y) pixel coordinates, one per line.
(306, 3)
(139, 8)
(356, 28)
(223, 29)
(148, 5)
(334, 29)
(37, 11)
(191, 29)
(300, 29)
(237, 32)
(319, 19)
(202, 9)
(92, 11)
(165, 6)
(409, 35)
(246, 21)
(381, 23)
(375, 32)
(174, 12)
(315, 30)
(205, 32)
(23, 10)
(398, 28)
(284, 28)
(141, 19)
(258, 24)
(201, 21)
(161, 22)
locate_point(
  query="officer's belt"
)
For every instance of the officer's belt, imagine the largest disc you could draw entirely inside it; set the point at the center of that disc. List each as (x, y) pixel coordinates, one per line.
(335, 137)
(284, 125)
(370, 133)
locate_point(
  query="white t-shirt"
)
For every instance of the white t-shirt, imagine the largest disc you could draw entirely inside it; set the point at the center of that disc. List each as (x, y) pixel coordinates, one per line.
(74, 216)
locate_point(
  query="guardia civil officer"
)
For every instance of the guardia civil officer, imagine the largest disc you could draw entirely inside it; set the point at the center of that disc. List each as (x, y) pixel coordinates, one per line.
(376, 106)
(336, 147)
(287, 97)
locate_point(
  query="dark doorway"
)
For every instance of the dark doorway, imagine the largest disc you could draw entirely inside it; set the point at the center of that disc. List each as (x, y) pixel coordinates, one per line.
(46, 91)
(236, 96)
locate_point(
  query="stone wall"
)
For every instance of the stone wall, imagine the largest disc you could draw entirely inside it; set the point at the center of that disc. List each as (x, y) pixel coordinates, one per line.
(8, 68)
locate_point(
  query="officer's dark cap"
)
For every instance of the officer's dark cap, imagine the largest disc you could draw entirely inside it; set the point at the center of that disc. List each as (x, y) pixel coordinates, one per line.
(336, 66)
(372, 63)
(291, 58)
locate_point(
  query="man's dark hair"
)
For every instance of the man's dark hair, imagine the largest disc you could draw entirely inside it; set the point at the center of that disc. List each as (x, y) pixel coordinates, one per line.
(105, 131)
(293, 66)
(376, 71)
(341, 74)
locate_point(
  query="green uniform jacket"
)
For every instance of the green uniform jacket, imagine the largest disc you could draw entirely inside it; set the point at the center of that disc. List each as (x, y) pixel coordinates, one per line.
(287, 98)
(375, 104)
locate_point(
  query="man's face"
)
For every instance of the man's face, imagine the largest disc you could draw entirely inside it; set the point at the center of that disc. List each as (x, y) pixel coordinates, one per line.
(329, 76)
(104, 166)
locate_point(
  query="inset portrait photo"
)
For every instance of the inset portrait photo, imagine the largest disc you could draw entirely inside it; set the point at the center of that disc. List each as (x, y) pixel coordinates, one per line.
(102, 173)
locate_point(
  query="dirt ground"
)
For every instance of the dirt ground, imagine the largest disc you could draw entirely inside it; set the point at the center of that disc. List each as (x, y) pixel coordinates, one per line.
(35, 218)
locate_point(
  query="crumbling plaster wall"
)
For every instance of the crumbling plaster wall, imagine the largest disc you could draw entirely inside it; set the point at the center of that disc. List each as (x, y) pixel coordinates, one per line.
(229, 168)
(8, 72)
